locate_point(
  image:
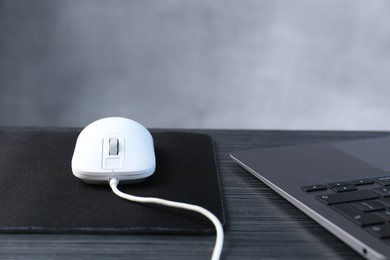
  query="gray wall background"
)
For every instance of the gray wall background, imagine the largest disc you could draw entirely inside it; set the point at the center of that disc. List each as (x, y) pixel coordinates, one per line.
(251, 64)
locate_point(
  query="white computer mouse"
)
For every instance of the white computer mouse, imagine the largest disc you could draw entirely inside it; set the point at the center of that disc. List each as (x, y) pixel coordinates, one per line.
(114, 147)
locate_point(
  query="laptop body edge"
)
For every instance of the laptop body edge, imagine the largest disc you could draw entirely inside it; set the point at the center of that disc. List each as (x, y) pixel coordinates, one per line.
(361, 248)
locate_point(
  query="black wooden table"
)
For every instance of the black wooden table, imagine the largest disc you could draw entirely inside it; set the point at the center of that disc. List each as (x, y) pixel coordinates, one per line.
(260, 223)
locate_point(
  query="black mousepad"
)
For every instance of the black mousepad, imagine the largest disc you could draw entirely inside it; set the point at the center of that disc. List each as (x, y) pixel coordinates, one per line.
(39, 193)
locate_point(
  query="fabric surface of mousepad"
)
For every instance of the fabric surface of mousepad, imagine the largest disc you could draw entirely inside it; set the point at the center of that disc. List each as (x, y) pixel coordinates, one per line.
(40, 194)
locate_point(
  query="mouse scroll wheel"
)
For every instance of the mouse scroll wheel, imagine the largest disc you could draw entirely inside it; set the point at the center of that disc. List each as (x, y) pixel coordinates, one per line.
(113, 146)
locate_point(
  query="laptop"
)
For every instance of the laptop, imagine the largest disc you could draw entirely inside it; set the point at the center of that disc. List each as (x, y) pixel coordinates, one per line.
(344, 186)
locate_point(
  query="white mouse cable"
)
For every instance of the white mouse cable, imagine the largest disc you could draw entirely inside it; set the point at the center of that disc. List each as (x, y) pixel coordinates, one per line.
(218, 226)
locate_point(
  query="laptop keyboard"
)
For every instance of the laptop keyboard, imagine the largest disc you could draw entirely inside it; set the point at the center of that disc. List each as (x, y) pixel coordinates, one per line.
(365, 202)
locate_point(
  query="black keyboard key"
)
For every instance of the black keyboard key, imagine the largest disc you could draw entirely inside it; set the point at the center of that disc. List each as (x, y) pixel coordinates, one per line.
(385, 181)
(381, 231)
(385, 214)
(310, 188)
(383, 191)
(351, 196)
(338, 184)
(385, 201)
(357, 216)
(362, 182)
(344, 188)
(368, 205)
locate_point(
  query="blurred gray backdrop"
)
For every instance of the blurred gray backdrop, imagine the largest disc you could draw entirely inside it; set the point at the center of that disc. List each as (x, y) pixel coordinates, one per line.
(251, 64)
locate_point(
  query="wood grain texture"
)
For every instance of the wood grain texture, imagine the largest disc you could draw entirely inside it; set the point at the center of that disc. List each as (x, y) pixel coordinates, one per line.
(260, 223)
